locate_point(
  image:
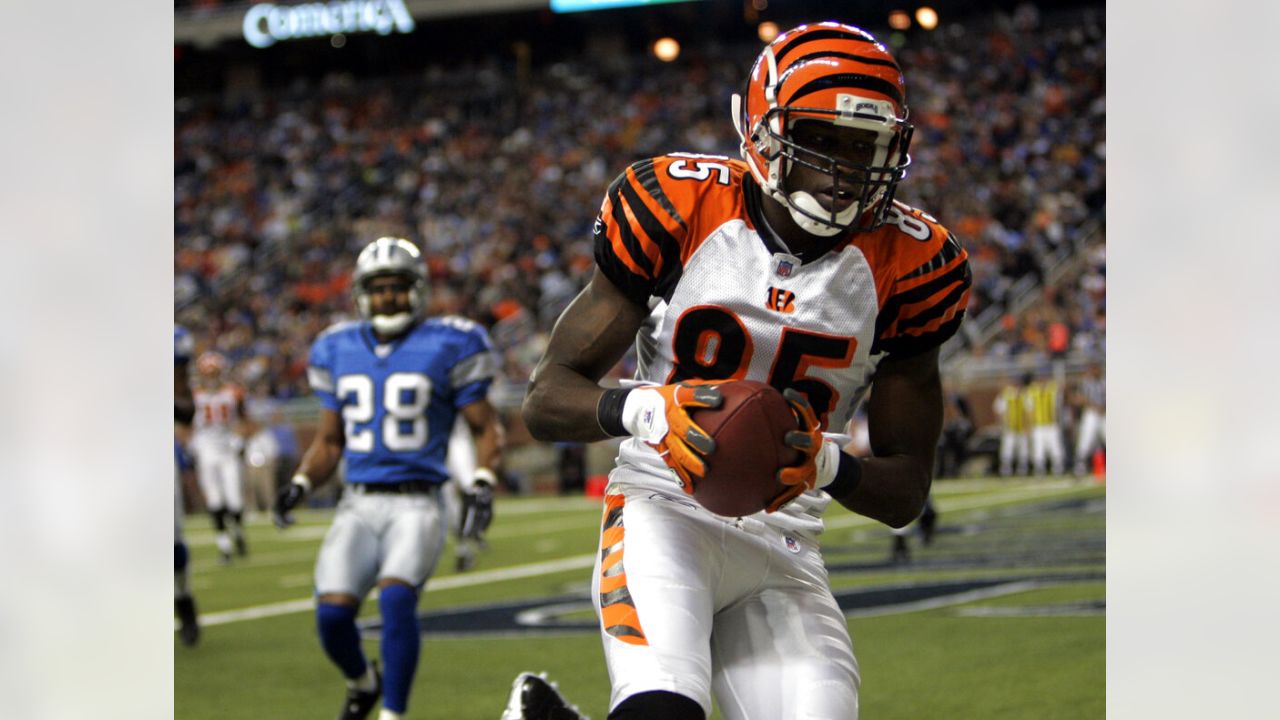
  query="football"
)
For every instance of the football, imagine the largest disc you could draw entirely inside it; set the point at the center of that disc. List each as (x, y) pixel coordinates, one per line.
(748, 427)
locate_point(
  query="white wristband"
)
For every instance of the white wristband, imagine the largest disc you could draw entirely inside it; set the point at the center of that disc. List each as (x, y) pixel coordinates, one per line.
(828, 462)
(486, 475)
(644, 415)
(303, 480)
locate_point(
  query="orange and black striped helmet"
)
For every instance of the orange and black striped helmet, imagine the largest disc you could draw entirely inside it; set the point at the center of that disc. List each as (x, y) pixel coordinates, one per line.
(831, 73)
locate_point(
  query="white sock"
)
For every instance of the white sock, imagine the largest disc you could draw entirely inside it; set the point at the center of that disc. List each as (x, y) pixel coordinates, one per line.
(365, 682)
(389, 715)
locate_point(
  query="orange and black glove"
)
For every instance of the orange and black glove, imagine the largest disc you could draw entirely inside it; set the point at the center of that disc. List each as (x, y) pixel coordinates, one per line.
(819, 457)
(659, 415)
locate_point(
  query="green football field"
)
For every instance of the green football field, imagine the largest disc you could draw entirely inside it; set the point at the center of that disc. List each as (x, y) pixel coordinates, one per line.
(1002, 616)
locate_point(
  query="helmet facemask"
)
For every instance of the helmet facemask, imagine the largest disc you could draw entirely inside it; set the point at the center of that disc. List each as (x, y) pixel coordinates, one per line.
(864, 190)
(394, 257)
(872, 185)
(395, 323)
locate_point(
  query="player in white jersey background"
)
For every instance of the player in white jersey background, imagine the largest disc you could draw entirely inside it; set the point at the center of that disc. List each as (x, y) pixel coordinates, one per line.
(392, 387)
(1092, 432)
(795, 267)
(217, 441)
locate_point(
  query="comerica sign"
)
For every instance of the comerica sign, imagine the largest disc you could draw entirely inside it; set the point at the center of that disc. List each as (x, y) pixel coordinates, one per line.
(266, 24)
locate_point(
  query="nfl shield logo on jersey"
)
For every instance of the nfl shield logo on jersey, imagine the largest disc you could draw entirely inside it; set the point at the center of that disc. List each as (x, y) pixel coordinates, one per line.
(784, 264)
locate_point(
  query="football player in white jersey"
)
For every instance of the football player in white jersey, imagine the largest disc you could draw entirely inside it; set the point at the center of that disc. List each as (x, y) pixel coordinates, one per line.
(1092, 396)
(793, 266)
(392, 387)
(217, 441)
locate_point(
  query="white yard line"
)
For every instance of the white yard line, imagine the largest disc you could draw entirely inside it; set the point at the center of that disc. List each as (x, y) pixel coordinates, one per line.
(446, 583)
(583, 561)
(946, 600)
(948, 505)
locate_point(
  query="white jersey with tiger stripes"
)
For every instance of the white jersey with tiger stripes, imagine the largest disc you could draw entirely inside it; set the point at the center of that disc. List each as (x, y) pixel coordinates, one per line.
(761, 314)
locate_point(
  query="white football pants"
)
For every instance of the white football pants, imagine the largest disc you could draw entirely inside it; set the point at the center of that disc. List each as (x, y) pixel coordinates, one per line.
(703, 604)
(1015, 453)
(1093, 433)
(221, 476)
(380, 535)
(1046, 445)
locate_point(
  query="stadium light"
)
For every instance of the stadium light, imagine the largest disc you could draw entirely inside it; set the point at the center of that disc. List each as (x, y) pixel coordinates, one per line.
(899, 19)
(666, 49)
(767, 31)
(927, 17)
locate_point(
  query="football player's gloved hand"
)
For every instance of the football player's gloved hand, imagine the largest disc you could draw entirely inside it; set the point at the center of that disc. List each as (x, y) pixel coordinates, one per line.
(477, 506)
(819, 457)
(287, 499)
(660, 417)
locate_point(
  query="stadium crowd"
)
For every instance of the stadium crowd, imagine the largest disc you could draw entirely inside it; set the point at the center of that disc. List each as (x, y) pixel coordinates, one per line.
(499, 179)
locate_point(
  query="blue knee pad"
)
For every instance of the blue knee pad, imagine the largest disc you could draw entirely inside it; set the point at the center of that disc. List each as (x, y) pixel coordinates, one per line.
(401, 640)
(180, 557)
(340, 639)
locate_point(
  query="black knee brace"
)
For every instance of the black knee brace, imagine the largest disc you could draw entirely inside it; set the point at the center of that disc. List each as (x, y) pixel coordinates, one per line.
(658, 705)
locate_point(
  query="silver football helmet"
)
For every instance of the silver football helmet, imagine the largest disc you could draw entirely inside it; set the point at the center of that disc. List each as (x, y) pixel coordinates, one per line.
(390, 256)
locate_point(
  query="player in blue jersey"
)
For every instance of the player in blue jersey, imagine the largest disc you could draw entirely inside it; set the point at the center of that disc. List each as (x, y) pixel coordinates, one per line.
(184, 408)
(391, 386)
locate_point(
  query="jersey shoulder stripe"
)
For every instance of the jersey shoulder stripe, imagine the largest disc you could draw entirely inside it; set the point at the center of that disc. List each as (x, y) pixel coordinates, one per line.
(929, 284)
(656, 214)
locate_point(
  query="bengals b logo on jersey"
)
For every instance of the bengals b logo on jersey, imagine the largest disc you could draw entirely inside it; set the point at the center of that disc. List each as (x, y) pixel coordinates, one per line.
(783, 301)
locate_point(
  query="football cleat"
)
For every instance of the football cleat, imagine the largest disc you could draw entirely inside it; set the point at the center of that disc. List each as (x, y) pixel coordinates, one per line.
(533, 697)
(360, 703)
(466, 557)
(189, 632)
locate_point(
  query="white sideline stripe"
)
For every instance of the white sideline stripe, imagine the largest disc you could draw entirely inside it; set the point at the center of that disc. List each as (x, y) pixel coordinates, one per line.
(848, 521)
(946, 600)
(309, 532)
(588, 560)
(445, 583)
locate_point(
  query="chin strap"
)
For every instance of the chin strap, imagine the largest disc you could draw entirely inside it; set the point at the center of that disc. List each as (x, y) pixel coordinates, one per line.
(806, 202)
(391, 324)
